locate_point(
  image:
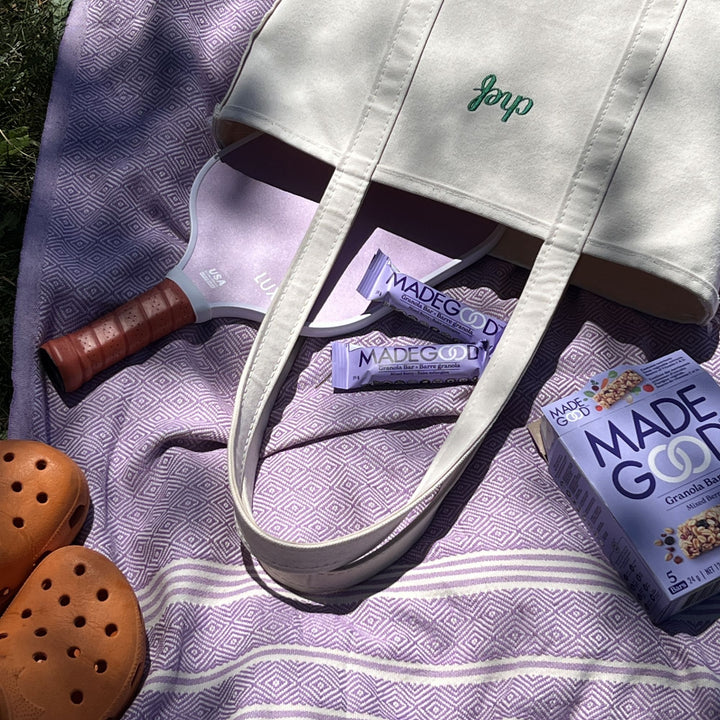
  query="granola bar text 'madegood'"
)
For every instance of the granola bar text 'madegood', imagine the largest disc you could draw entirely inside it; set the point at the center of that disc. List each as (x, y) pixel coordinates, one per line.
(637, 451)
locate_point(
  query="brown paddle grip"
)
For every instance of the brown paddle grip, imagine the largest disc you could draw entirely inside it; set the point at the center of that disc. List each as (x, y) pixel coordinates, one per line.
(72, 360)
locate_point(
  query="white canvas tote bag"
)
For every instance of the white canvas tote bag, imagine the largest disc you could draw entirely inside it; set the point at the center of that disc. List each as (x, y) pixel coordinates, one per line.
(588, 128)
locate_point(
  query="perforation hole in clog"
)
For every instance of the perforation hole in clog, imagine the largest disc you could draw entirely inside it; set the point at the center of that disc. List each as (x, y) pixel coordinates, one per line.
(64, 600)
(17, 486)
(26, 613)
(41, 632)
(46, 584)
(100, 666)
(41, 464)
(76, 697)
(79, 569)
(111, 629)
(102, 594)
(8, 457)
(39, 657)
(79, 621)
(18, 522)
(73, 652)
(42, 497)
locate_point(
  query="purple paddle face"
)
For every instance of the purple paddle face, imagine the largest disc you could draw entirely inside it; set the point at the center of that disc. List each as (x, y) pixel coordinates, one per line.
(251, 207)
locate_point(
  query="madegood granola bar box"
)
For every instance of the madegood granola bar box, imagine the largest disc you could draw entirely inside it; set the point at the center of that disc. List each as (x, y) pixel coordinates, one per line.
(637, 452)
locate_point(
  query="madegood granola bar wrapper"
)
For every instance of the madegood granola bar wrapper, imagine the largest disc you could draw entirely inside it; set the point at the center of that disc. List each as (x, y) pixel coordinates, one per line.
(354, 366)
(383, 282)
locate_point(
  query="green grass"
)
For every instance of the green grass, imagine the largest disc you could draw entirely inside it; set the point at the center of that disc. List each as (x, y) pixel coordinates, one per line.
(30, 32)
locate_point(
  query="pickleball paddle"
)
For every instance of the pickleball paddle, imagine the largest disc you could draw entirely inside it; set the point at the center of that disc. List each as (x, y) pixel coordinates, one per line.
(250, 206)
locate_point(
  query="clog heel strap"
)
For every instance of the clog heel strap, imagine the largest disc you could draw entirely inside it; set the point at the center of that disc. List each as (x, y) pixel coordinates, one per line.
(44, 501)
(72, 641)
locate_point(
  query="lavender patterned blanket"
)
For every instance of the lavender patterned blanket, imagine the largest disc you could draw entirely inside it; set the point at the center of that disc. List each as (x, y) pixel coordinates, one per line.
(505, 609)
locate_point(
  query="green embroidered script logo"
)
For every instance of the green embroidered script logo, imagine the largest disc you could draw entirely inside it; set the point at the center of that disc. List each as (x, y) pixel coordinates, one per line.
(490, 95)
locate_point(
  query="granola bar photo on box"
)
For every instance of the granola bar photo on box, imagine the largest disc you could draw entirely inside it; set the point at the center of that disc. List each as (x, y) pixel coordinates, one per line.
(700, 533)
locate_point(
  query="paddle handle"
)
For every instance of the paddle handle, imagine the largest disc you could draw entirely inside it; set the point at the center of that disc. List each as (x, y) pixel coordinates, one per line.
(73, 359)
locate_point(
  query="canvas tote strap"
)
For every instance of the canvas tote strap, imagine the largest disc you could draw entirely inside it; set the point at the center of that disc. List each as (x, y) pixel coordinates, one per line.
(346, 560)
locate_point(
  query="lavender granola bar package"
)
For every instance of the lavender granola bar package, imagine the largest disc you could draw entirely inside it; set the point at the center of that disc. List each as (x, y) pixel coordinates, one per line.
(354, 367)
(637, 452)
(383, 282)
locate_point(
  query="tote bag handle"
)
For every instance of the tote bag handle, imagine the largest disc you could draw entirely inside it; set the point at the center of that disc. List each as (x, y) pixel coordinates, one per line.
(344, 561)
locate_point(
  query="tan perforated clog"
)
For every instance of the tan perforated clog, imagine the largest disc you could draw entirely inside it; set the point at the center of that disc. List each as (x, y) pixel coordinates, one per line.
(44, 501)
(72, 641)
